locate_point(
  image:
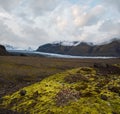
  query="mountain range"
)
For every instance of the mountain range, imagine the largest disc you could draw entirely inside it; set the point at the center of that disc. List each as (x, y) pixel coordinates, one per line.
(76, 48)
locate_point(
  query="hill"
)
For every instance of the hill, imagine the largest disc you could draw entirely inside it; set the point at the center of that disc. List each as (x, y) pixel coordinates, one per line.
(3, 50)
(78, 91)
(83, 49)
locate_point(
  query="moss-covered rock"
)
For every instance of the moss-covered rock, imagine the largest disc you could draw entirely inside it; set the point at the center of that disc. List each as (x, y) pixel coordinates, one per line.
(59, 94)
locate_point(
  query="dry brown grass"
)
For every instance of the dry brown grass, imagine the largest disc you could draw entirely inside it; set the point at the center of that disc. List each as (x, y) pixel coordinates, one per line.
(16, 72)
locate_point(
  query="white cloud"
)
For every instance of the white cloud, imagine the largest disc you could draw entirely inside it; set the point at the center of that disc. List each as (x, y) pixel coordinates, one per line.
(90, 17)
(32, 23)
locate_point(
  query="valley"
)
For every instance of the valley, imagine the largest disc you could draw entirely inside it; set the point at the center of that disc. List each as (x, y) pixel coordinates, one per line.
(59, 56)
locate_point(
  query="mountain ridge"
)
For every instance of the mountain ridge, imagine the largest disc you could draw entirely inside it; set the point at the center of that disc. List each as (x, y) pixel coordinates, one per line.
(111, 48)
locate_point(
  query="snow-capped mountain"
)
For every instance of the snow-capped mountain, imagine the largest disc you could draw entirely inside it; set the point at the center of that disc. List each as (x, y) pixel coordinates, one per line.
(77, 48)
(67, 43)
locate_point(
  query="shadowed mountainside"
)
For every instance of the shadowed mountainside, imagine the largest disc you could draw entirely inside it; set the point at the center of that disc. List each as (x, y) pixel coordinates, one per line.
(3, 50)
(84, 49)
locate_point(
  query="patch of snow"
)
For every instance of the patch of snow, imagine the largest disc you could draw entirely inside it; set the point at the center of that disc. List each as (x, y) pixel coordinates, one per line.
(29, 49)
(9, 47)
(67, 43)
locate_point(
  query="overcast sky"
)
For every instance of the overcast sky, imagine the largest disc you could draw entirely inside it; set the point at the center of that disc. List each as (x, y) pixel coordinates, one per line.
(31, 23)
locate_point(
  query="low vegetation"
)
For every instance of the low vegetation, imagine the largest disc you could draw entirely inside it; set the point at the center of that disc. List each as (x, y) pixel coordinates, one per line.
(83, 90)
(17, 72)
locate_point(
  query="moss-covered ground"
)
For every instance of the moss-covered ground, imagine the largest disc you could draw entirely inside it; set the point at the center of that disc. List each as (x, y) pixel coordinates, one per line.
(82, 90)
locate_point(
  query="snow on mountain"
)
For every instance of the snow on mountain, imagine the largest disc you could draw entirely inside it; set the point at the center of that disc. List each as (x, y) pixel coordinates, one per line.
(29, 49)
(67, 43)
(9, 47)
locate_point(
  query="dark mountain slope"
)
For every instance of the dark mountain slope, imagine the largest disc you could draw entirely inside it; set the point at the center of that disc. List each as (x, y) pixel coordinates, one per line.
(54, 48)
(81, 49)
(84, 49)
(3, 50)
(110, 49)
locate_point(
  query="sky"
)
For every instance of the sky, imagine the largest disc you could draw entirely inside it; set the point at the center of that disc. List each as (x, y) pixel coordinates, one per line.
(31, 23)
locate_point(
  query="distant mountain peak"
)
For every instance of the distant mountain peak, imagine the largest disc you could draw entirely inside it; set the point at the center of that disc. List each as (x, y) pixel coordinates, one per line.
(115, 40)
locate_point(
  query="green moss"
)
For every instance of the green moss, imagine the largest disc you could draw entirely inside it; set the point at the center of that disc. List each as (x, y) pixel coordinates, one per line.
(41, 97)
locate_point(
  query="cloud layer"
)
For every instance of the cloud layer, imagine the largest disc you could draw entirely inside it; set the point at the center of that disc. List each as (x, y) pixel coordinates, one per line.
(32, 23)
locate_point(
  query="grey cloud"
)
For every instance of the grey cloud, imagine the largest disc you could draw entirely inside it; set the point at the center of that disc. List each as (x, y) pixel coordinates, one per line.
(35, 36)
(113, 3)
(7, 36)
(110, 26)
(25, 18)
(95, 15)
(90, 17)
(9, 5)
(39, 7)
